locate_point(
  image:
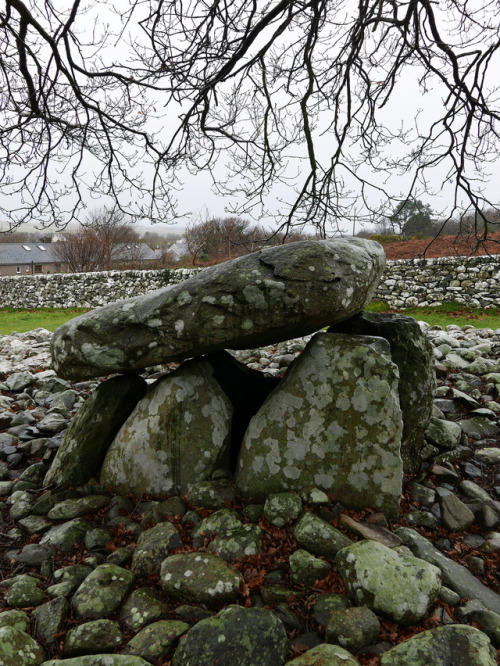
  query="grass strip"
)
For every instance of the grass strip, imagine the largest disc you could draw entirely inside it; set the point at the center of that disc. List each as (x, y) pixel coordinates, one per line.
(20, 320)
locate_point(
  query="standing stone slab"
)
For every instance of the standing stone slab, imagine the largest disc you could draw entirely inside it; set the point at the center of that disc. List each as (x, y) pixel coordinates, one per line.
(412, 352)
(274, 294)
(333, 423)
(93, 429)
(178, 434)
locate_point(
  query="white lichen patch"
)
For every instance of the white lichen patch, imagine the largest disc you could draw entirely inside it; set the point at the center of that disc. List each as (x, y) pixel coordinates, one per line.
(184, 298)
(255, 297)
(227, 300)
(179, 327)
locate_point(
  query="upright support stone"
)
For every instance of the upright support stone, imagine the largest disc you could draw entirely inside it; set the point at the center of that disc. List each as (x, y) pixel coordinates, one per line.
(93, 428)
(178, 434)
(334, 423)
(412, 353)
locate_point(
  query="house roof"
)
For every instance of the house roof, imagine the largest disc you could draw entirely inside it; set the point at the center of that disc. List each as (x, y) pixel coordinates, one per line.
(25, 253)
(133, 252)
(14, 254)
(179, 248)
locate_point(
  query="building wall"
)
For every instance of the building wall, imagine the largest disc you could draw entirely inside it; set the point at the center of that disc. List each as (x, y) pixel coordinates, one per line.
(32, 268)
(473, 281)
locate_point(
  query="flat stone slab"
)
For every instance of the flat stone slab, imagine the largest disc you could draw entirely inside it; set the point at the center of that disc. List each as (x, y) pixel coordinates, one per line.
(275, 294)
(333, 423)
(455, 576)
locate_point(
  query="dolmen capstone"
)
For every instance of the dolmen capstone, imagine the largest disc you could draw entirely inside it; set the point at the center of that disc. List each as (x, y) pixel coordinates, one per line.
(347, 417)
(272, 295)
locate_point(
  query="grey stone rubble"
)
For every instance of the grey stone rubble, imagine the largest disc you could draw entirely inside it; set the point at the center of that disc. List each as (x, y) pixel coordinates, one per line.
(474, 281)
(193, 577)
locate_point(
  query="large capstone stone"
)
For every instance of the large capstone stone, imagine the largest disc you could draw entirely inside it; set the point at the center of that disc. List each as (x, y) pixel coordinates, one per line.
(333, 423)
(178, 434)
(412, 352)
(236, 635)
(388, 581)
(271, 295)
(92, 430)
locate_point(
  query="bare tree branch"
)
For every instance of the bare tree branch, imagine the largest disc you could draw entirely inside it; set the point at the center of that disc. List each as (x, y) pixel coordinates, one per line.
(289, 104)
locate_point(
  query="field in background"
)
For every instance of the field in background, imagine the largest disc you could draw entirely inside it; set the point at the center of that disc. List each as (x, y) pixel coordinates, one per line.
(26, 320)
(443, 246)
(450, 313)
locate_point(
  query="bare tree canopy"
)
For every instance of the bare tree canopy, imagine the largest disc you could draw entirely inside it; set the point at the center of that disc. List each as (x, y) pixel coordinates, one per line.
(279, 92)
(105, 237)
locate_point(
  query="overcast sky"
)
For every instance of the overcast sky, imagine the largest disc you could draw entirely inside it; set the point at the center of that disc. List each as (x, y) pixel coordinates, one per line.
(197, 198)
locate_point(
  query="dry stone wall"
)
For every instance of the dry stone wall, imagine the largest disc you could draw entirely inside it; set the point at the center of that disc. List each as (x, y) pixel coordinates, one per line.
(474, 281)
(70, 290)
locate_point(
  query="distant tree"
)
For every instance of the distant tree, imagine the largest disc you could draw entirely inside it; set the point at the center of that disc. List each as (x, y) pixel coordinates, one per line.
(104, 238)
(412, 217)
(222, 238)
(195, 238)
(449, 227)
(80, 252)
(474, 224)
(113, 230)
(16, 237)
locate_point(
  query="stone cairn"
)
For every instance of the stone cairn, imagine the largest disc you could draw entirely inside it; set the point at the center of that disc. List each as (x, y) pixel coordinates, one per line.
(344, 423)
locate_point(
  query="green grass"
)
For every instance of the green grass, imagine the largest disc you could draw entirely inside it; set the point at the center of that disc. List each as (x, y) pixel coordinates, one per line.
(14, 319)
(450, 313)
